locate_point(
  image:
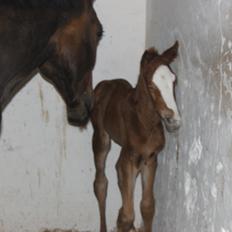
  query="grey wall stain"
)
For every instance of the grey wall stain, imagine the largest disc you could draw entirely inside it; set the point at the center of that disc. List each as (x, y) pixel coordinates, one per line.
(193, 184)
(44, 112)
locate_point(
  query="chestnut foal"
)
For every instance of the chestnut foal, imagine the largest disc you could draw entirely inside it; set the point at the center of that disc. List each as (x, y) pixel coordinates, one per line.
(131, 117)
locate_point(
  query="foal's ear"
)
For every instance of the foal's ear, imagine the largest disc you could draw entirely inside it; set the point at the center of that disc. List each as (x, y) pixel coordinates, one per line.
(170, 54)
(148, 56)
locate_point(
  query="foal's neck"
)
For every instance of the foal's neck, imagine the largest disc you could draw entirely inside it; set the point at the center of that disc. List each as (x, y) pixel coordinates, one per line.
(144, 105)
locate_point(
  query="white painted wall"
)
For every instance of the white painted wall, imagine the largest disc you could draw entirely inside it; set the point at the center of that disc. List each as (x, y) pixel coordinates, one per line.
(46, 166)
(193, 183)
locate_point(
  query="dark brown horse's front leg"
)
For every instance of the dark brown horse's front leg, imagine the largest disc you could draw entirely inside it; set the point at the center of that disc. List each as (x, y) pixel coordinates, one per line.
(127, 173)
(147, 205)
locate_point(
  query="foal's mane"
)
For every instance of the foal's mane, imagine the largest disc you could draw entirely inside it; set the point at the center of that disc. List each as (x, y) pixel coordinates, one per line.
(62, 4)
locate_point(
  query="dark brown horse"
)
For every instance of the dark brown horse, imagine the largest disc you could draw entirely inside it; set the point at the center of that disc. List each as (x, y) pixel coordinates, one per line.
(132, 118)
(57, 38)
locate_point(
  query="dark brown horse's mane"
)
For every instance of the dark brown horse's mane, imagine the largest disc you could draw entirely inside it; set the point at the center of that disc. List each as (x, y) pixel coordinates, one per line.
(62, 4)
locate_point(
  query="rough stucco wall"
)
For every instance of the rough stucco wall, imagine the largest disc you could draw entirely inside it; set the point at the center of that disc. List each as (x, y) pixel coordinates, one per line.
(46, 166)
(193, 183)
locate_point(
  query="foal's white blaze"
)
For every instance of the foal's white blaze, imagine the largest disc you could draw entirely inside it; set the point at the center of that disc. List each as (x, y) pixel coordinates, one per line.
(164, 79)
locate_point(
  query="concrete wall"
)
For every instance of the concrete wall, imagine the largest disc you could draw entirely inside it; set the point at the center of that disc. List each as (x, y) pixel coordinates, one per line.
(194, 179)
(46, 166)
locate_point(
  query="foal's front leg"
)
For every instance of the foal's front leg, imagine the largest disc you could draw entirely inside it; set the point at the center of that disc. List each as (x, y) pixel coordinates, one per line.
(127, 172)
(101, 146)
(147, 205)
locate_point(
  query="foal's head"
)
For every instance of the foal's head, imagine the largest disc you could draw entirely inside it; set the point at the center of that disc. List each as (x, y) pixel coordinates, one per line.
(161, 81)
(70, 64)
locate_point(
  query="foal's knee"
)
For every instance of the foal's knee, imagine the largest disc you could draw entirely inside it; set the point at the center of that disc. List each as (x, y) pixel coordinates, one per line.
(100, 185)
(147, 207)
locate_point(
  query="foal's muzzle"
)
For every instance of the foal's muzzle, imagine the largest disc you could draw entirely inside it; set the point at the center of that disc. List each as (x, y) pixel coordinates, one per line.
(172, 125)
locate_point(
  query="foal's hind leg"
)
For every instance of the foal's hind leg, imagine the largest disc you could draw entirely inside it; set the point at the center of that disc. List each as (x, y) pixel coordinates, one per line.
(147, 205)
(101, 146)
(127, 173)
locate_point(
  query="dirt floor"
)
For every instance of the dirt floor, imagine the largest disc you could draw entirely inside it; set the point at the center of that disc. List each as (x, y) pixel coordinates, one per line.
(59, 230)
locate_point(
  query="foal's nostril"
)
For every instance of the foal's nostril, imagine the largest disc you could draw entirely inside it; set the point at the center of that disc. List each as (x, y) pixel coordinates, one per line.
(172, 124)
(170, 121)
(173, 121)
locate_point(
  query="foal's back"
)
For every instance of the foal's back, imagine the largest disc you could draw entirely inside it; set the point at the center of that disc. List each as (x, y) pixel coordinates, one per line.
(110, 90)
